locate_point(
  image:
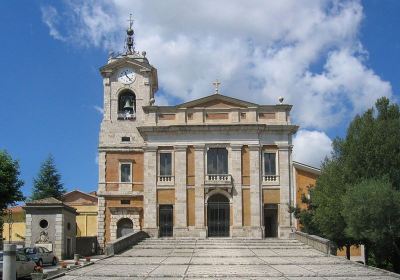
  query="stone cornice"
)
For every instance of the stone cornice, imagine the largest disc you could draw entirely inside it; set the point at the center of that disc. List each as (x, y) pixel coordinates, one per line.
(199, 147)
(217, 127)
(180, 148)
(236, 147)
(253, 147)
(119, 149)
(118, 194)
(150, 148)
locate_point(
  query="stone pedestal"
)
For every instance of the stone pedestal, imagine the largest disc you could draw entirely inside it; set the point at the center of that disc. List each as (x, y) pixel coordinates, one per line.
(9, 261)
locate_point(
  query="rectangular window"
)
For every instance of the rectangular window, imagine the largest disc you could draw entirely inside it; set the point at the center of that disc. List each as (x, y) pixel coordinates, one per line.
(165, 164)
(217, 161)
(269, 163)
(126, 172)
(125, 201)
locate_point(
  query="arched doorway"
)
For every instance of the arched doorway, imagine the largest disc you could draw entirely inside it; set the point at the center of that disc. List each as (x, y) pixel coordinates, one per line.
(218, 216)
(124, 227)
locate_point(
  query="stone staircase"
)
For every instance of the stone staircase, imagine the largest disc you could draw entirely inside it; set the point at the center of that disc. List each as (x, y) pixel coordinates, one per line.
(219, 258)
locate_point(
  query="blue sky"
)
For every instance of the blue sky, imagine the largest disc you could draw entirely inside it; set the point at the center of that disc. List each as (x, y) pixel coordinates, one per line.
(50, 82)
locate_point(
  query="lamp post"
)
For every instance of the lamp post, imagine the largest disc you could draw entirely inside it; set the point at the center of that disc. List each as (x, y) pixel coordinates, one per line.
(10, 222)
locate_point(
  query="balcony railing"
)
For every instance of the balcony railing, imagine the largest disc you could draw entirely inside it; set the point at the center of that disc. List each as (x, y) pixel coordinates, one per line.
(165, 180)
(125, 115)
(270, 179)
(218, 179)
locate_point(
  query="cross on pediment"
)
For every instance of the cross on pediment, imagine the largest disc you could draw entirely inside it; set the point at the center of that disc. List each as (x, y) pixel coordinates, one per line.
(216, 85)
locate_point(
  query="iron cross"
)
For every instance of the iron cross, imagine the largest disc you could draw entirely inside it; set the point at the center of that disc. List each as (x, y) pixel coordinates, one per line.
(130, 20)
(216, 85)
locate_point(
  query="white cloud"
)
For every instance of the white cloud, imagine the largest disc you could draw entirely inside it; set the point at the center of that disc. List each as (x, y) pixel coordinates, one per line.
(311, 147)
(51, 18)
(306, 51)
(99, 109)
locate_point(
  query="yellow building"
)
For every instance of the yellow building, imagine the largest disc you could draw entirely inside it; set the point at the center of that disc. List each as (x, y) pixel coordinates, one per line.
(17, 227)
(86, 206)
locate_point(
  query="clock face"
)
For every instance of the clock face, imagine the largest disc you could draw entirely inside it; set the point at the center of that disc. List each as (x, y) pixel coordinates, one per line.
(126, 75)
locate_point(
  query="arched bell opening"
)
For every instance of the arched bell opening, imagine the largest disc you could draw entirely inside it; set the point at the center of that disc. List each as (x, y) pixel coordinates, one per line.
(126, 105)
(124, 227)
(218, 216)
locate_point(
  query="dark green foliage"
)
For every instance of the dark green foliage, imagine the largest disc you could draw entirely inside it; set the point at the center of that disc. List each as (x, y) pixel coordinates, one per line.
(10, 184)
(327, 197)
(371, 210)
(48, 181)
(305, 216)
(371, 148)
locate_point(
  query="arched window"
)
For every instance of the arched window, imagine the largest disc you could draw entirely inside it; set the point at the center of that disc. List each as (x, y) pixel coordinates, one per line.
(126, 105)
(124, 227)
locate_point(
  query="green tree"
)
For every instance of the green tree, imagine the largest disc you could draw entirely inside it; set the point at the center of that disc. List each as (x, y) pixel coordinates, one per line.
(327, 196)
(371, 149)
(48, 181)
(10, 184)
(371, 210)
(306, 216)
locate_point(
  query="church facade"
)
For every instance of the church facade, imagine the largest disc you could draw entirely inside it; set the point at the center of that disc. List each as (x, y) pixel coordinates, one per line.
(211, 167)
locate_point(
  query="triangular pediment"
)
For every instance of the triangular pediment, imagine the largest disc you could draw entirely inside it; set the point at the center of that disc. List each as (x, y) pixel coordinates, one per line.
(217, 101)
(138, 63)
(79, 198)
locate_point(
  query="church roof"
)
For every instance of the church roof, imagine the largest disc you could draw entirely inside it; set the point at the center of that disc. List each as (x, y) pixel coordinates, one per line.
(219, 101)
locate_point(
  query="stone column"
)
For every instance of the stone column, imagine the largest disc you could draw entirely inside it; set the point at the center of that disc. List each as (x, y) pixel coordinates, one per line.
(199, 190)
(28, 231)
(284, 179)
(150, 191)
(236, 172)
(101, 217)
(59, 246)
(255, 192)
(180, 224)
(9, 262)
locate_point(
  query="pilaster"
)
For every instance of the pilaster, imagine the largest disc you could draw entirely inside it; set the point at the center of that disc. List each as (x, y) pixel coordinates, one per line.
(101, 217)
(236, 172)
(255, 192)
(60, 249)
(102, 172)
(284, 176)
(199, 189)
(150, 191)
(28, 231)
(180, 223)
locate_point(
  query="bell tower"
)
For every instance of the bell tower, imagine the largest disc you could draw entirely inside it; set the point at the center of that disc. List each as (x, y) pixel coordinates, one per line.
(129, 82)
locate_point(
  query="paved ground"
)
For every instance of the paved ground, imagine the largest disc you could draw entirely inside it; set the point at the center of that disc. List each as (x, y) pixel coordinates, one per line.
(225, 259)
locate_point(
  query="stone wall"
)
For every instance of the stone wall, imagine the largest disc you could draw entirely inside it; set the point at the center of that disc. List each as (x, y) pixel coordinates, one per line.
(125, 242)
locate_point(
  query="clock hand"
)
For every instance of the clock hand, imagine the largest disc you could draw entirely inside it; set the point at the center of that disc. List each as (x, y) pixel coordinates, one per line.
(128, 77)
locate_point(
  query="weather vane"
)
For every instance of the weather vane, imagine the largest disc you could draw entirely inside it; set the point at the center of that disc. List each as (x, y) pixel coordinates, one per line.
(216, 85)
